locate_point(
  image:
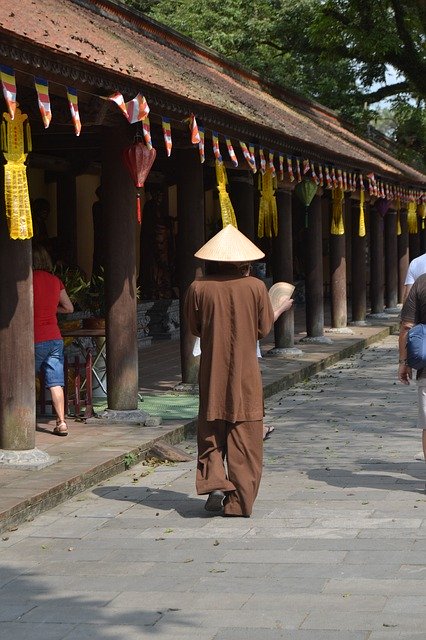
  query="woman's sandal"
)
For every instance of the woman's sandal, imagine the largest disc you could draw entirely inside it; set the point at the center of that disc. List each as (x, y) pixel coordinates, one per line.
(61, 429)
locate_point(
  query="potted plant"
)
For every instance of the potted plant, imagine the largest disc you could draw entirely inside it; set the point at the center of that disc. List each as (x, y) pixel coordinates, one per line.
(94, 302)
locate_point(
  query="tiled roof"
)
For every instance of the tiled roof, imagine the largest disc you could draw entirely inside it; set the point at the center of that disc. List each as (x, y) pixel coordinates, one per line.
(102, 34)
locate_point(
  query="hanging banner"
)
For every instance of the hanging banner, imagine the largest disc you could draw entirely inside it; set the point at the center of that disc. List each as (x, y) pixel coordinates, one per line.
(361, 231)
(73, 105)
(262, 161)
(337, 226)
(216, 149)
(281, 165)
(271, 164)
(137, 109)
(42, 88)
(146, 128)
(226, 208)
(290, 168)
(247, 156)
(231, 152)
(201, 144)
(195, 135)
(17, 199)
(268, 214)
(8, 83)
(167, 134)
(253, 157)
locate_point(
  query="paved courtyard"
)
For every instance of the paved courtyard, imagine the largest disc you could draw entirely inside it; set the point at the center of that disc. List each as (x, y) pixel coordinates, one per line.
(333, 551)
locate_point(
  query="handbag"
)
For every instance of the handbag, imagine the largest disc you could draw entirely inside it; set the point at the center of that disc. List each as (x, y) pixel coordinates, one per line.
(416, 346)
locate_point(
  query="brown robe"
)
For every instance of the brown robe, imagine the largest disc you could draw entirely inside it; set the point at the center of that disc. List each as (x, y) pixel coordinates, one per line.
(230, 313)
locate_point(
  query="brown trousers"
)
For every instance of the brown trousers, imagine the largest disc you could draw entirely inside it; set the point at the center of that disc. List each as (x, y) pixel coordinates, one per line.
(240, 446)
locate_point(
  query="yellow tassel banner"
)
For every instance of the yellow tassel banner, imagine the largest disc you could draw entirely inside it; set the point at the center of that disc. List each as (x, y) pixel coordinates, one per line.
(17, 199)
(361, 231)
(337, 226)
(268, 213)
(226, 208)
(398, 217)
(412, 217)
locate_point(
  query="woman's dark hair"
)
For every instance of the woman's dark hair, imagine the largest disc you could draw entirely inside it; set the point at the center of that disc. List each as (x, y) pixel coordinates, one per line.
(41, 259)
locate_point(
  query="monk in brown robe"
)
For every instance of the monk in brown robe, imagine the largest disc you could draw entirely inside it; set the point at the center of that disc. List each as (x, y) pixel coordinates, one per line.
(230, 311)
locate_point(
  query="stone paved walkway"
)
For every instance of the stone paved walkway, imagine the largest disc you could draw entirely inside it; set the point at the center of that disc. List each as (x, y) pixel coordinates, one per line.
(333, 551)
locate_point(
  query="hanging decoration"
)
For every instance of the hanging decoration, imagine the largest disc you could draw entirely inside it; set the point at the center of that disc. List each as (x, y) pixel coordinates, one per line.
(314, 175)
(268, 214)
(8, 83)
(216, 148)
(201, 145)
(281, 165)
(17, 199)
(231, 152)
(398, 217)
(262, 161)
(167, 135)
(337, 226)
(290, 168)
(298, 173)
(271, 163)
(226, 208)
(137, 109)
(247, 156)
(42, 89)
(73, 105)
(195, 134)
(327, 178)
(253, 156)
(361, 231)
(146, 129)
(382, 206)
(306, 191)
(139, 159)
(421, 212)
(412, 217)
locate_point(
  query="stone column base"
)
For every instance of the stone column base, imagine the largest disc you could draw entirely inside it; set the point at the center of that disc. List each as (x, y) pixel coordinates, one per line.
(341, 330)
(187, 387)
(28, 459)
(316, 340)
(284, 351)
(378, 316)
(360, 323)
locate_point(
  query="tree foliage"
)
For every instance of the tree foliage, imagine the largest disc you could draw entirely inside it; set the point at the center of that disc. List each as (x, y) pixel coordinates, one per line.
(337, 52)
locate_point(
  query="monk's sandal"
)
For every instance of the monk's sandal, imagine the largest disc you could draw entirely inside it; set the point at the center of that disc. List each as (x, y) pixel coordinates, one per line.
(215, 501)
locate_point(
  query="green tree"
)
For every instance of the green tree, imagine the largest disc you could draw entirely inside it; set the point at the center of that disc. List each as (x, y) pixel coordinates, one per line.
(334, 51)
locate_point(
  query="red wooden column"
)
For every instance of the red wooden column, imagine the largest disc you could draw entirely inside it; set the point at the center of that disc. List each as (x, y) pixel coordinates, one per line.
(17, 376)
(377, 283)
(242, 197)
(391, 262)
(359, 269)
(339, 312)
(403, 256)
(119, 208)
(314, 276)
(190, 203)
(282, 255)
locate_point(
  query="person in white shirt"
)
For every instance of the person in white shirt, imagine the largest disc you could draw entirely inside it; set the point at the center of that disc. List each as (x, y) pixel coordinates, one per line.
(416, 268)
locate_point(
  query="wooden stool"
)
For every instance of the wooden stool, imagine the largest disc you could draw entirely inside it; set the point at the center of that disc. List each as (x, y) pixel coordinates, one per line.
(82, 388)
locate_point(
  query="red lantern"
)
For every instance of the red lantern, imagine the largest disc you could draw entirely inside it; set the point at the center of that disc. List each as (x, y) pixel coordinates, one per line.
(139, 160)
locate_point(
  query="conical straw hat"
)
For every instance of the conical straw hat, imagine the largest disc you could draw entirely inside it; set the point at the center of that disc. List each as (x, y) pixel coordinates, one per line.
(229, 245)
